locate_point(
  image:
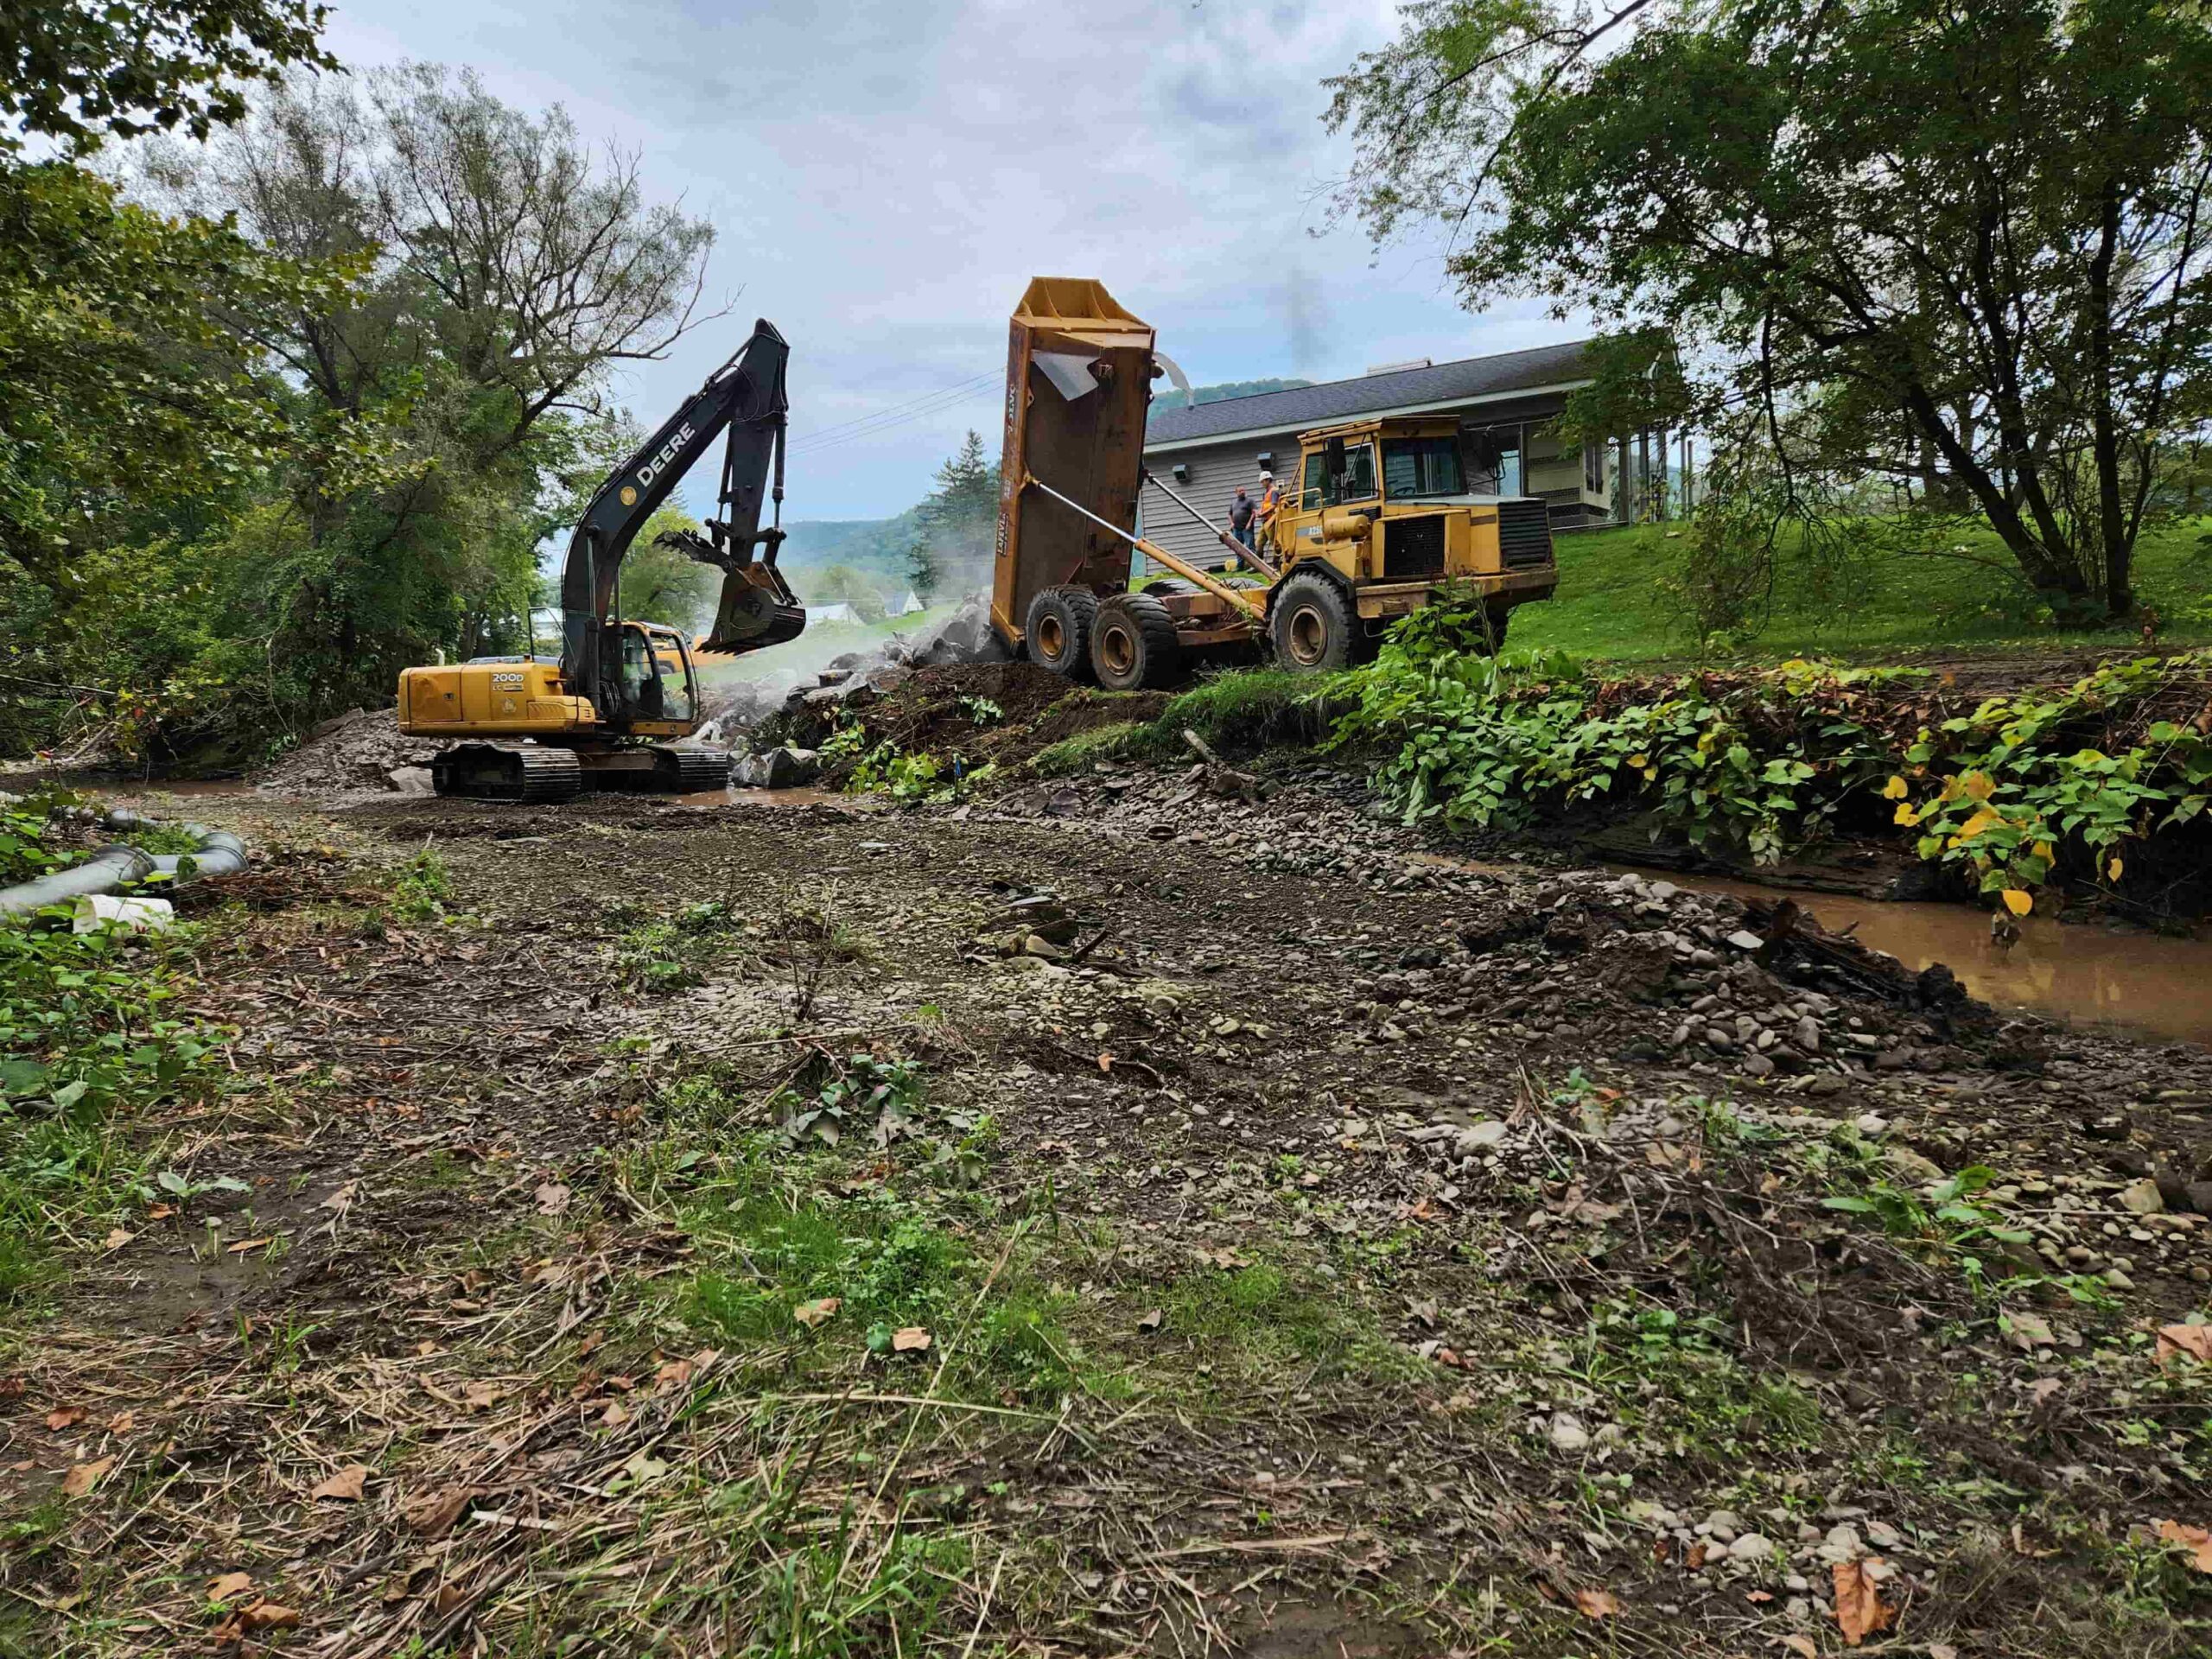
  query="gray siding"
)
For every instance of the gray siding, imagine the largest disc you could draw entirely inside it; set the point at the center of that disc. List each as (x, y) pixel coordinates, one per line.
(1216, 471)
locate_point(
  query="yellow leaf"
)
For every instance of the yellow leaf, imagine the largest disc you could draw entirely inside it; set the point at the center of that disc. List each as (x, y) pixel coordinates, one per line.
(2017, 902)
(1980, 785)
(1906, 814)
(1895, 790)
(1974, 826)
(2184, 1341)
(1596, 1604)
(2112, 870)
(83, 1477)
(2044, 850)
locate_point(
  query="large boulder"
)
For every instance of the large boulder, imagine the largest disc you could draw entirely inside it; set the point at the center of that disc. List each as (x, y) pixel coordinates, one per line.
(784, 768)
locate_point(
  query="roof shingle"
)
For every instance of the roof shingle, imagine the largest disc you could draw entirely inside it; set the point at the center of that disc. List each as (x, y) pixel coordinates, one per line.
(1301, 407)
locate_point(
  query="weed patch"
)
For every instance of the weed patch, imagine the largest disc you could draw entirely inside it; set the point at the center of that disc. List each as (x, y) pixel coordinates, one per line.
(1252, 1322)
(1766, 761)
(832, 1278)
(672, 952)
(1084, 750)
(84, 1020)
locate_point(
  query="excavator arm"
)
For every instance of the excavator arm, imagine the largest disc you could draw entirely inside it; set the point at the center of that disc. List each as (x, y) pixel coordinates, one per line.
(746, 398)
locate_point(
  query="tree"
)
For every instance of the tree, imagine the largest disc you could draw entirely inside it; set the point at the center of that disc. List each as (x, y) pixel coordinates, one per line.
(122, 395)
(1964, 245)
(924, 570)
(960, 514)
(508, 269)
(75, 72)
(664, 584)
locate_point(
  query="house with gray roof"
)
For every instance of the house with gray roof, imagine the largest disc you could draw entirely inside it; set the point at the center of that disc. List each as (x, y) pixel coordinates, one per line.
(1205, 451)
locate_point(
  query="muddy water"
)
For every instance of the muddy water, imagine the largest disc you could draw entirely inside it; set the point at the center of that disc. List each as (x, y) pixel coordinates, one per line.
(2144, 981)
(183, 789)
(763, 797)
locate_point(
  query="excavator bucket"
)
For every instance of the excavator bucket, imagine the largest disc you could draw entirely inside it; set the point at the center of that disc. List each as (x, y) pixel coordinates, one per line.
(758, 610)
(1078, 379)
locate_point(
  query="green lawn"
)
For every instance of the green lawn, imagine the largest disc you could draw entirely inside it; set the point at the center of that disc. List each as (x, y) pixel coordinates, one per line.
(1614, 601)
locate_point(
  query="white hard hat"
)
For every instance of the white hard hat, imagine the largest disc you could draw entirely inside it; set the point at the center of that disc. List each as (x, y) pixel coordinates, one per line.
(1268, 477)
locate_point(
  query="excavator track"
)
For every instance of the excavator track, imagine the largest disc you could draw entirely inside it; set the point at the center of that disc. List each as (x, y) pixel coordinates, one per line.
(499, 771)
(657, 769)
(698, 771)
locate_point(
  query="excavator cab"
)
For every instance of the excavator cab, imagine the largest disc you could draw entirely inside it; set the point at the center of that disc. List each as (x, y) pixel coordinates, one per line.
(657, 686)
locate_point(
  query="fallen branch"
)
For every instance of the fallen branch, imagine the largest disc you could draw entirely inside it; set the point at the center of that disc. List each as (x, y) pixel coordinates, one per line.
(1222, 777)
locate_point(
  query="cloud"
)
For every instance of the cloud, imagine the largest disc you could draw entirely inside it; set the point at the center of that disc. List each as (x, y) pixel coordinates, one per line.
(886, 176)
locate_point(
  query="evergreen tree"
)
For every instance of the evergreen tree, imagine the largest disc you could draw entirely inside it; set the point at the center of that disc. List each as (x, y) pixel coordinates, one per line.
(960, 515)
(924, 570)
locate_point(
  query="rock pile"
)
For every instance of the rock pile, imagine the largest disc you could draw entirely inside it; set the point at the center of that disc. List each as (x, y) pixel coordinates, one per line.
(357, 751)
(809, 708)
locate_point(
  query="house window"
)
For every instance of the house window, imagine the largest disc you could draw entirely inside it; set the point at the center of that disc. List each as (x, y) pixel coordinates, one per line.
(1594, 467)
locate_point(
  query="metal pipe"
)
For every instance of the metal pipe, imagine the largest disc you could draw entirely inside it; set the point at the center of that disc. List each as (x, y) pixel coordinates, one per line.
(1242, 600)
(1221, 535)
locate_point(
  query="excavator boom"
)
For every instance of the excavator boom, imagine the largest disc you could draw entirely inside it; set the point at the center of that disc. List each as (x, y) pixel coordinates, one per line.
(746, 397)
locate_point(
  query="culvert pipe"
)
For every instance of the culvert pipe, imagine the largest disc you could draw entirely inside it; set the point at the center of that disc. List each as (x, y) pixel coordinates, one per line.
(219, 853)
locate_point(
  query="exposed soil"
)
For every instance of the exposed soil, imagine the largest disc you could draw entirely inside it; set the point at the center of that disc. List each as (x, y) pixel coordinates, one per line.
(1379, 1258)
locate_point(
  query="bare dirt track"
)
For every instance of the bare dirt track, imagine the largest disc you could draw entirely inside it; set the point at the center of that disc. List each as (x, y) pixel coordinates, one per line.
(1108, 1218)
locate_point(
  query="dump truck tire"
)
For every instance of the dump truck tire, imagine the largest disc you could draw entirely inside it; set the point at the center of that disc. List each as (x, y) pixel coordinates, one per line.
(1133, 645)
(1315, 628)
(1168, 586)
(1057, 631)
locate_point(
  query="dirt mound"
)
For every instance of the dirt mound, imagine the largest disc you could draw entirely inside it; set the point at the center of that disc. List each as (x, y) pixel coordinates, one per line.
(1001, 713)
(356, 751)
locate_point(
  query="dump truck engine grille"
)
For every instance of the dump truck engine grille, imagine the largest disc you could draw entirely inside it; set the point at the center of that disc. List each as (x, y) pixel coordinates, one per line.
(1524, 534)
(1413, 547)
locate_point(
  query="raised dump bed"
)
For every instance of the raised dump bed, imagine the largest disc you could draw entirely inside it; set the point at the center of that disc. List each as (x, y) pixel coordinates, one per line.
(1078, 379)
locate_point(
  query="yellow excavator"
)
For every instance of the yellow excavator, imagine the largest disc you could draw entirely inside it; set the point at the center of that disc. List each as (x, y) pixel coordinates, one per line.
(610, 711)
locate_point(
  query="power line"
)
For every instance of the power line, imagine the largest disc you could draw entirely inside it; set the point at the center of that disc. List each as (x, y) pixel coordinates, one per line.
(975, 396)
(877, 414)
(897, 415)
(889, 425)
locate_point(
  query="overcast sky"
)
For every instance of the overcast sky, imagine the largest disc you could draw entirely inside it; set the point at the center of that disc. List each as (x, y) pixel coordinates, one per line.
(885, 175)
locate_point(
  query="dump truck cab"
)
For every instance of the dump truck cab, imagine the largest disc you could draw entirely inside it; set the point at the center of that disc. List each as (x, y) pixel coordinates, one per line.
(1383, 506)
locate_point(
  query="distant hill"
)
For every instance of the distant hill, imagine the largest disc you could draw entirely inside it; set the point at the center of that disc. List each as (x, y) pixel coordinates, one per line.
(1225, 388)
(875, 547)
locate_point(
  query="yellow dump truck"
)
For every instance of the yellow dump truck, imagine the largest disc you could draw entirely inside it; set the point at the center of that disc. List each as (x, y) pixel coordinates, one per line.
(1379, 520)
